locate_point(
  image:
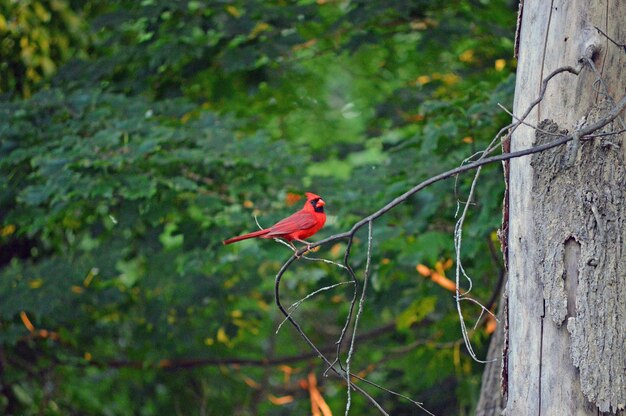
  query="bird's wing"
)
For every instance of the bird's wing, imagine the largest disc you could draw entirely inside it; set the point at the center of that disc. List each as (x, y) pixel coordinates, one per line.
(295, 222)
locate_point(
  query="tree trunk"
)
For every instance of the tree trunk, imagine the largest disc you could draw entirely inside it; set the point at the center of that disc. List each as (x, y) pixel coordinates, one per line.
(491, 401)
(566, 352)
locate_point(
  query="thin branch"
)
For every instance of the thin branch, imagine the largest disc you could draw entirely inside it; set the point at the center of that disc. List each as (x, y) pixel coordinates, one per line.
(484, 308)
(190, 363)
(297, 304)
(608, 133)
(359, 311)
(311, 343)
(458, 237)
(352, 302)
(621, 45)
(605, 87)
(546, 132)
(611, 115)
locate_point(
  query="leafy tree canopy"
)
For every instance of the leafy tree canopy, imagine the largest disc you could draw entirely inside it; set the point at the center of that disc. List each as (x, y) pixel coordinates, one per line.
(152, 130)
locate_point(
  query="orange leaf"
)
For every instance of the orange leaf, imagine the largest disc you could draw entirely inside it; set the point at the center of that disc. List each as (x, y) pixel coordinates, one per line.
(7, 230)
(309, 43)
(318, 404)
(44, 333)
(467, 56)
(422, 79)
(41, 333)
(90, 276)
(251, 382)
(288, 371)
(363, 373)
(280, 401)
(438, 275)
(414, 118)
(233, 11)
(423, 270)
(443, 282)
(491, 325)
(292, 198)
(337, 299)
(335, 250)
(27, 323)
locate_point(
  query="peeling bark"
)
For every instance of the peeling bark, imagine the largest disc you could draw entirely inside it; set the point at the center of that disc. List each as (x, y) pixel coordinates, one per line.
(579, 201)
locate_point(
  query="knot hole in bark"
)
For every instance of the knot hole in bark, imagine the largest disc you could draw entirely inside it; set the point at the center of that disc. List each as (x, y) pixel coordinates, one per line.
(593, 52)
(571, 261)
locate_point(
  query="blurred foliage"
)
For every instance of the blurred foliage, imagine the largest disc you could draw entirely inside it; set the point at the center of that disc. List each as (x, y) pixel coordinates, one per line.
(180, 122)
(36, 36)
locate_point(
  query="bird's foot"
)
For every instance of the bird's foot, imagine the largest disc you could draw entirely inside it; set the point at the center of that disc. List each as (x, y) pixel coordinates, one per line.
(308, 248)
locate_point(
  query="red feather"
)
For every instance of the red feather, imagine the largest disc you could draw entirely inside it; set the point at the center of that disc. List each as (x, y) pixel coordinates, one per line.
(298, 226)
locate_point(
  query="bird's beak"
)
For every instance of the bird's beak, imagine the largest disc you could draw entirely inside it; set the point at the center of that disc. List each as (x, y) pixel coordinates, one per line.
(321, 203)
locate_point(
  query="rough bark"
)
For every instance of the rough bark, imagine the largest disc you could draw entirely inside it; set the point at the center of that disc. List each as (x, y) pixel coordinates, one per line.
(566, 243)
(491, 401)
(580, 202)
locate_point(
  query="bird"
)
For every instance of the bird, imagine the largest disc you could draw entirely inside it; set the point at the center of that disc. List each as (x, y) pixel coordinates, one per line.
(296, 227)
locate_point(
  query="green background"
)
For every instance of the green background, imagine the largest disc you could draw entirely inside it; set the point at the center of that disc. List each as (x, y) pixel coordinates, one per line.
(136, 135)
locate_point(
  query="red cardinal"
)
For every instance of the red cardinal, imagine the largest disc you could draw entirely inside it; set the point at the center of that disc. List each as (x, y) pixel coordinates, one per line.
(298, 226)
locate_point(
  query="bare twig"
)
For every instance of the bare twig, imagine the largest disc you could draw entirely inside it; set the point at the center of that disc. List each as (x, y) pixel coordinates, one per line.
(458, 237)
(352, 302)
(311, 343)
(605, 87)
(610, 116)
(621, 45)
(359, 311)
(297, 304)
(608, 133)
(549, 133)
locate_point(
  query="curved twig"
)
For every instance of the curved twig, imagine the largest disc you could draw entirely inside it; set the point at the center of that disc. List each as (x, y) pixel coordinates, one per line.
(308, 341)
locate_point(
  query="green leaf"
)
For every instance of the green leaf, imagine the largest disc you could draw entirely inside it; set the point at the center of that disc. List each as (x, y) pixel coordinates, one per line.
(416, 312)
(168, 239)
(138, 187)
(35, 195)
(335, 168)
(130, 271)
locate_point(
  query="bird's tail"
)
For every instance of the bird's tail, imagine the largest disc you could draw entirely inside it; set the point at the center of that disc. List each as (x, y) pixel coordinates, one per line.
(246, 236)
